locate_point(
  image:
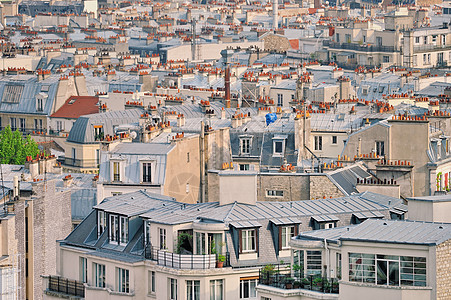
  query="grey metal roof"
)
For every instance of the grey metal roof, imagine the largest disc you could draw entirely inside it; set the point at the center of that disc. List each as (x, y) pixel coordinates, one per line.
(399, 232)
(132, 204)
(83, 129)
(346, 178)
(325, 218)
(333, 234)
(245, 224)
(368, 215)
(285, 221)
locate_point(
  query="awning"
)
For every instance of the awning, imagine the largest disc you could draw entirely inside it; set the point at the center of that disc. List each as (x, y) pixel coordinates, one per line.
(285, 221)
(245, 224)
(368, 215)
(325, 218)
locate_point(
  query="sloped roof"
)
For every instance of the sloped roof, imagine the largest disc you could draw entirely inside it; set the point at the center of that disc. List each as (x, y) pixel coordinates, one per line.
(77, 106)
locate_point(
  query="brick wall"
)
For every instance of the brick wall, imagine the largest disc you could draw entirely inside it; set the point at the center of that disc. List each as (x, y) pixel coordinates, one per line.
(443, 261)
(294, 187)
(321, 186)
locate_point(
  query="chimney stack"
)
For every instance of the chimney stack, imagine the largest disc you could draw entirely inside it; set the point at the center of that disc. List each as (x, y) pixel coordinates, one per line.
(227, 87)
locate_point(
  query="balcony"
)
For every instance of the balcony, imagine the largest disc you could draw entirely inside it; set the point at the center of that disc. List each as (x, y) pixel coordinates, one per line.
(429, 48)
(80, 163)
(185, 261)
(287, 281)
(358, 47)
(65, 286)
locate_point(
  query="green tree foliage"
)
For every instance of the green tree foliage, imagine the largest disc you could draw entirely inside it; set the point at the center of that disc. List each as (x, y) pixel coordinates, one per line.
(14, 149)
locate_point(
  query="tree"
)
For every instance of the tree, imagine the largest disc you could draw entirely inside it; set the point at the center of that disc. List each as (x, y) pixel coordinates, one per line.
(14, 149)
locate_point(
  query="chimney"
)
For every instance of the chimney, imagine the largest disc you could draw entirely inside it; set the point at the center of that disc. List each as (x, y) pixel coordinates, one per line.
(223, 114)
(16, 189)
(227, 87)
(235, 121)
(180, 120)
(67, 181)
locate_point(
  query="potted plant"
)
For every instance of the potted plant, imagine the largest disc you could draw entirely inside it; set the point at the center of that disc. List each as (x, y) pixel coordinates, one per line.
(296, 284)
(298, 269)
(220, 261)
(305, 282)
(289, 283)
(317, 283)
(267, 273)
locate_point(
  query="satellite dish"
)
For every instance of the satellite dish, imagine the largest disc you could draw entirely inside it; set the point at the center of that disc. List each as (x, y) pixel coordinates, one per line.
(133, 134)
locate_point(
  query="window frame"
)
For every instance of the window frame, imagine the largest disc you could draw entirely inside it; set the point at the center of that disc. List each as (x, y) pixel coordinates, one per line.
(162, 238)
(286, 236)
(83, 269)
(150, 177)
(245, 149)
(172, 289)
(116, 177)
(99, 275)
(318, 143)
(380, 148)
(217, 289)
(275, 193)
(192, 289)
(122, 280)
(251, 286)
(334, 140)
(245, 239)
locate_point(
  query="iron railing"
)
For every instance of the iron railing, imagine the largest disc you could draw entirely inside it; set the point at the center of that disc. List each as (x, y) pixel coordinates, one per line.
(358, 47)
(184, 261)
(82, 163)
(66, 286)
(280, 280)
(425, 48)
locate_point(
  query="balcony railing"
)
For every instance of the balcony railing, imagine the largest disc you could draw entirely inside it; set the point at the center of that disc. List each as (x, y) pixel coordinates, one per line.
(184, 261)
(66, 286)
(81, 163)
(358, 47)
(425, 48)
(317, 283)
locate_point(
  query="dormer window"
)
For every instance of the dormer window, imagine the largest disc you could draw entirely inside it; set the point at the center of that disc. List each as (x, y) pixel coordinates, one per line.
(245, 145)
(146, 171)
(101, 222)
(116, 171)
(98, 132)
(40, 106)
(118, 229)
(279, 145)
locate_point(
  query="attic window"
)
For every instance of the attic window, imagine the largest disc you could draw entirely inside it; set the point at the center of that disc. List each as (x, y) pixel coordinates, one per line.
(12, 93)
(279, 145)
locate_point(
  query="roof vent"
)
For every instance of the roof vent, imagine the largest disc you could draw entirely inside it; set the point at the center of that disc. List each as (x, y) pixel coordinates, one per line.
(440, 227)
(133, 198)
(385, 223)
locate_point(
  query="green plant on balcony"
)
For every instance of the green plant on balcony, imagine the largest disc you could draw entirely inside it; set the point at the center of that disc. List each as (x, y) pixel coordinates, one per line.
(220, 261)
(305, 282)
(298, 269)
(183, 240)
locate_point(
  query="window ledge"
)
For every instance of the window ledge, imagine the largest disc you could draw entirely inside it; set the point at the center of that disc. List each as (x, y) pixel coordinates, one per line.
(248, 256)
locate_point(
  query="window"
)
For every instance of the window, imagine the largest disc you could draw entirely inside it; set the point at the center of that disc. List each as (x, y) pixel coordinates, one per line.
(101, 222)
(318, 143)
(162, 238)
(386, 58)
(348, 38)
(338, 261)
(200, 243)
(97, 156)
(440, 58)
(245, 146)
(192, 290)
(338, 38)
(248, 240)
(123, 230)
(187, 157)
(425, 40)
(314, 262)
(151, 284)
(39, 104)
(116, 171)
(379, 41)
(147, 172)
(83, 269)
(98, 275)
(387, 269)
(172, 289)
(74, 152)
(12, 93)
(116, 193)
(247, 288)
(147, 240)
(38, 124)
(429, 58)
(59, 126)
(415, 60)
(22, 124)
(123, 280)
(216, 289)
(417, 40)
(425, 59)
(274, 193)
(244, 167)
(13, 122)
(334, 140)
(380, 148)
(278, 148)
(286, 234)
(364, 38)
(279, 99)
(98, 132)
(114, 229)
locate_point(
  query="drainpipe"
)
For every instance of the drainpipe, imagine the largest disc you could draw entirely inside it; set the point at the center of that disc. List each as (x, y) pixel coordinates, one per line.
(202, 162)
(327, 259)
